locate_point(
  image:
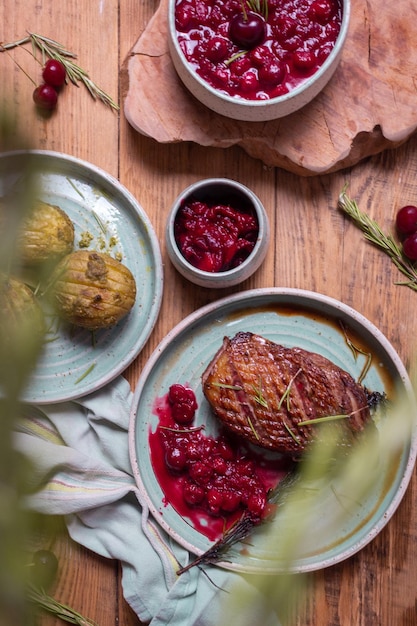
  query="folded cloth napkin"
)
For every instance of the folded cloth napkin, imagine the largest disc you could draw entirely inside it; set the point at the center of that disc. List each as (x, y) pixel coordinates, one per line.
(81, 469)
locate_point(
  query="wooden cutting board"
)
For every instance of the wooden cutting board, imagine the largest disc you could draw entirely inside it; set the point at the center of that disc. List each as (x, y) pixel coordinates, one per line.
(369, 105)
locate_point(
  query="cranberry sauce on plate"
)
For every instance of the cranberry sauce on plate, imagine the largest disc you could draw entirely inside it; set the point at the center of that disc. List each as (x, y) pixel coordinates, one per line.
(257, 49)
(209, 480)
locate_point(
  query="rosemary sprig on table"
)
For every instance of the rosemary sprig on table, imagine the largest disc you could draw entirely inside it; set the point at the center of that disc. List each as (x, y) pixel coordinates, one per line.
(39, 598)
(373, 233)
(54, 50)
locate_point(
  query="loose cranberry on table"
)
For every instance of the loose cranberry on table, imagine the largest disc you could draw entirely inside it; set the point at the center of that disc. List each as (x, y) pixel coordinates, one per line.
(410, 247)
(214, 238)
(283, 42)
(45, 97)
(54, 73)
(406, 220)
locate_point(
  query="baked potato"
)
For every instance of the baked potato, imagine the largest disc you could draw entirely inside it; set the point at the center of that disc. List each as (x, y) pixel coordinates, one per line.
(22, 330)
(92, 289)
(47, 233)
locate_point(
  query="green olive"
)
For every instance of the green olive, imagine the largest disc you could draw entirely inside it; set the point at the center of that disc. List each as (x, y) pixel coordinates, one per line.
(43, 568)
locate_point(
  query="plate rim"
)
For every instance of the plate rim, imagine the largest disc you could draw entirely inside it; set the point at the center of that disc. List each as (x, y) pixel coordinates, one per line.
(230, 300)
(102, 175)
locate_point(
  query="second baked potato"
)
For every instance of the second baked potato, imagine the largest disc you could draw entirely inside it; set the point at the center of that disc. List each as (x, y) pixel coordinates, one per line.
(92, 289)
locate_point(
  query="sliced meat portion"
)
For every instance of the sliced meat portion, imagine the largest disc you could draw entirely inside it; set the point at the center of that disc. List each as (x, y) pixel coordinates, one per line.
(262, 391)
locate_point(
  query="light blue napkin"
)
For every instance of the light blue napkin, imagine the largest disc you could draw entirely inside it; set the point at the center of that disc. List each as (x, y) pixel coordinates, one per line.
(81, 469)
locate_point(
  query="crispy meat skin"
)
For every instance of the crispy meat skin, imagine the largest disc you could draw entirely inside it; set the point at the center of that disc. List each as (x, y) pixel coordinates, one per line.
(261, 391)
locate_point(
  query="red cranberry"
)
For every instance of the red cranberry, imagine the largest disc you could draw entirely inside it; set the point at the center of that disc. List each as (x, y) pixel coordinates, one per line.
(176, 459)
(217, 49)
(241, 65)
(183, 413)
(284, 27)
(321, 10)
(272, 74)
(214, 499)
(185, 16)
(192, 493)
(410, 247)
(231, 501)
(247, 30)
(248, 82)
(45, 97)
(201, 472)
(54, 73)
(219, 465)
(304, 59)
(406, 220)
(256, 504)
(260, 56)
(224, 450)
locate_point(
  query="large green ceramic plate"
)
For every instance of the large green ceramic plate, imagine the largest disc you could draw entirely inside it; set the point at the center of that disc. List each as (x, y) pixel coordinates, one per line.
(292, 318)
(100, 206)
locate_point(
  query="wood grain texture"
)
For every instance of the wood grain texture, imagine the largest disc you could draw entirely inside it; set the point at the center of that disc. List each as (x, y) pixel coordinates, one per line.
(366, 107)
(312, 247)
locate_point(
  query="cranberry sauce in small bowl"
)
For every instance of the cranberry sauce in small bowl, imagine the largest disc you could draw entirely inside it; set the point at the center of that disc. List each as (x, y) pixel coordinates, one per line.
(217, 233)
(256, 60)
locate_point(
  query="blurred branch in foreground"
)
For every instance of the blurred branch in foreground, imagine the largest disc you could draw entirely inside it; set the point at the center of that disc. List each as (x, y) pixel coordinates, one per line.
(332, 488)
(19, 349)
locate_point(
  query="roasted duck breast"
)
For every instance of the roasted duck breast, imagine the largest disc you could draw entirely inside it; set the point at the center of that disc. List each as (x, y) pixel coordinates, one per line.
(264, 392)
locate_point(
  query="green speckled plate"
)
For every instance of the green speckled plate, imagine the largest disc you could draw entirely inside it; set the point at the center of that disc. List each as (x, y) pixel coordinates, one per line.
(292, 318)
(116, 223)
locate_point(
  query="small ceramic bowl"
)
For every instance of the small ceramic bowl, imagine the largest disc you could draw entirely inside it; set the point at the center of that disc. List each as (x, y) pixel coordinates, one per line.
(239, 108)
(219, 191)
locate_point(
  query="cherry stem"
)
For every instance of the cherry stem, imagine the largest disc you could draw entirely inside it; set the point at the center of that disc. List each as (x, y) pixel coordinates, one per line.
(18, 64)
(245, 14)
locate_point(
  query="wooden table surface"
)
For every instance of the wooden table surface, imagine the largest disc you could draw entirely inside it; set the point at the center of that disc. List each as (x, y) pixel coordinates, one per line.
(313, 247)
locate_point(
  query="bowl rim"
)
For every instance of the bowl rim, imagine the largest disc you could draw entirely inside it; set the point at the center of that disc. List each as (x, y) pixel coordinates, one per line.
(263, 229)
(287, 97)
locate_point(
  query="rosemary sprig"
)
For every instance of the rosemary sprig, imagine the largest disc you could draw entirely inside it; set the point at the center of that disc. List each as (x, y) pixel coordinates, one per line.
(286, 394)
(252, 427)
(62, 611)
(54, 50)
(192, 429)
(377, 237)
(85, 374)
(259, 396)
(226, 386)
(290, 432)
(355, 351)
(330, 418)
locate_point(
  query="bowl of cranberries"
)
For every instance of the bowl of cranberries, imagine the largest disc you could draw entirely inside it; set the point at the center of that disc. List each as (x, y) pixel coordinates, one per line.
(256, 60)
(217, 233)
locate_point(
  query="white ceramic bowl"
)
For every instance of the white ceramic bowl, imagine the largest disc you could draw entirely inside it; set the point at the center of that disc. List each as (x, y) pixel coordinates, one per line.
(255, 110)
(219, 191)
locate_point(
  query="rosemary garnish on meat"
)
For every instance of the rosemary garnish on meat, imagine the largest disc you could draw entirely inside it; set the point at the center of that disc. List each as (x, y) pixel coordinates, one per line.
(331, 418)
(373, 233)
(252, 427)
(286, 394)
(259, 397)
(290, 432)
(226, 386)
